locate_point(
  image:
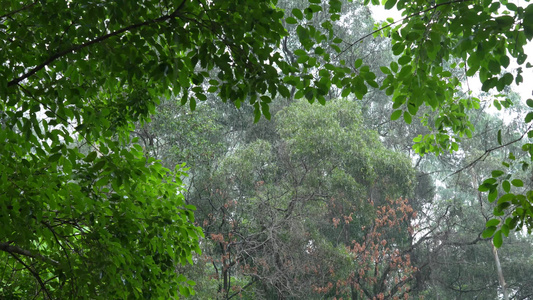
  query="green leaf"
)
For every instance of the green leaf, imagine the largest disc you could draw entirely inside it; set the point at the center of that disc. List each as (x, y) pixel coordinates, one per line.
(407, 117)
(394, 67)
(488, 232)
(506, 186)
(291, 20)
(390, 4)
(257, 114)
(497, 239)
(54, 157)
(385, 70)
(492, 223)
(528, 117)
(494, 66)
(490, 181)
(505, 61)
(492, 195)
(404, 60)
(265, 110)
(412, 108)
(497, 173)
(484, 188)
(297, 13)
(499, 137)
(396, 115)
(300, 52)
(517, 182)
(302, 59)
(358, 63)
(314, 8)
(201, 97)
(505, 230)
(345, 92)
(397, 49)
(303, 34)
(497, 105)
(512, 222)
(528, 22)
(511, 6)
(90, 157)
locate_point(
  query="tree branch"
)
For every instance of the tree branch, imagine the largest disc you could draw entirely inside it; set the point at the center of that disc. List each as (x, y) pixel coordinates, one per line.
(18, 10)
(15, 249)
(488, 151)
(76, 48)
(34, 273)
(243, 288)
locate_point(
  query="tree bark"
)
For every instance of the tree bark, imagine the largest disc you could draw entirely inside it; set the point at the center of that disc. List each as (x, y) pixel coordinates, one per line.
(501, 279)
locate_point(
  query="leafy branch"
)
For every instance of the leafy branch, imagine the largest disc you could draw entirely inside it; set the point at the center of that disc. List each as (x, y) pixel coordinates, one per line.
(34, 273)
(488, 151)
(8, 14)
(401, 20)
(7, 247)
(76, 48)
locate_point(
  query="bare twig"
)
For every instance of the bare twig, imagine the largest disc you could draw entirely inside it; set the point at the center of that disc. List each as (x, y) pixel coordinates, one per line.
(488, 151)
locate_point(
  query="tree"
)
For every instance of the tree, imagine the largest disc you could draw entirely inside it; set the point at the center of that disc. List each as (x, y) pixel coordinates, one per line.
(452, 257)
(79, 198)
(84, 212)
(476, 38)
(279, 212)
(381, 265)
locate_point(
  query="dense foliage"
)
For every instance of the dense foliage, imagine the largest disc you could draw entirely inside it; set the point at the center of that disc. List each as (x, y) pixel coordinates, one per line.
(474, 38)
(86, 212)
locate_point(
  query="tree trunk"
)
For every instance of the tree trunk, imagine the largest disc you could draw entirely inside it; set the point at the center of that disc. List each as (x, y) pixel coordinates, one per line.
(500, 273)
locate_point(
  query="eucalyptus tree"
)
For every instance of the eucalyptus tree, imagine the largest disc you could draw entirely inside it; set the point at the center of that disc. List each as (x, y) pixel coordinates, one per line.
(279, 213)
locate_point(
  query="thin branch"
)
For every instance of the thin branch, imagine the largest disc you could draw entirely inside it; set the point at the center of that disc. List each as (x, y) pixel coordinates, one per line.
(488, 151)
(34, 273)
(92, 42)
(18, 10)
(401, 20)
(15, 249)
(67, 256)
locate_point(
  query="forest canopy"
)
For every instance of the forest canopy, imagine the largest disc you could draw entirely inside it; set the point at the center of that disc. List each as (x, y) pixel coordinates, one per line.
(102, 173)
